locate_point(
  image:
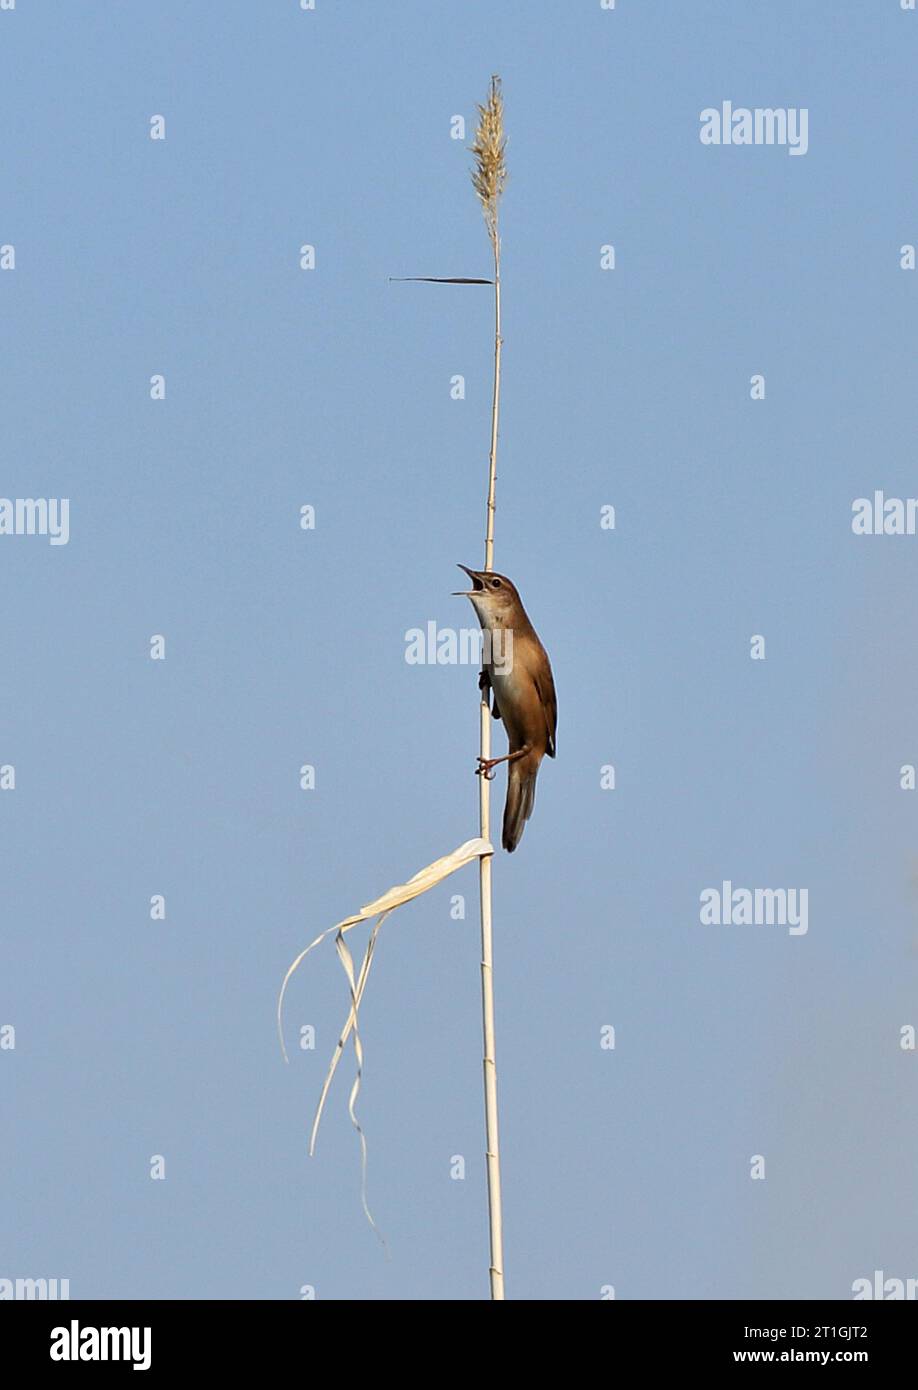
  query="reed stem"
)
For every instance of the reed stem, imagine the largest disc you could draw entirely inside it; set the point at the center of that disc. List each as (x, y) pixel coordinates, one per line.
(488, 177)
(484, 869)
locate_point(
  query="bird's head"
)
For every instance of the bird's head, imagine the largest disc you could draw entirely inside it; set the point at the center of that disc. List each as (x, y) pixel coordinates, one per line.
(493, 596)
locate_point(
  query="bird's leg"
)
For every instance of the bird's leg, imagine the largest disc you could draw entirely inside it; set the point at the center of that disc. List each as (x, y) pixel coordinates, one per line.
(486, 766)
(484, 685)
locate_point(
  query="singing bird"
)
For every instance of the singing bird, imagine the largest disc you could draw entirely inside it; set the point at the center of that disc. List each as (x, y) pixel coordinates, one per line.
(517, 671)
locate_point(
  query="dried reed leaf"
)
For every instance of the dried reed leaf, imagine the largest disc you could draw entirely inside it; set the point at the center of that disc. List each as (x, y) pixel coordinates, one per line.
(422, 881)
(443, 279)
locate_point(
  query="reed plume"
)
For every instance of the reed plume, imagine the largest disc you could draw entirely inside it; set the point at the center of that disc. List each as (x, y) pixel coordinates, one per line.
(490, 172)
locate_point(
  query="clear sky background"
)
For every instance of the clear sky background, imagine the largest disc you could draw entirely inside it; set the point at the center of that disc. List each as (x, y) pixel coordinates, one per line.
(284, 647)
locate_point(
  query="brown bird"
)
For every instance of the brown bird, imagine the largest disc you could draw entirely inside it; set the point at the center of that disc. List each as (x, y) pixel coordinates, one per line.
(517, 671)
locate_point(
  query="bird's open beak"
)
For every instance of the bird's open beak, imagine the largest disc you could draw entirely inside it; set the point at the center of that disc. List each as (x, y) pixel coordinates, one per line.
(477, 583)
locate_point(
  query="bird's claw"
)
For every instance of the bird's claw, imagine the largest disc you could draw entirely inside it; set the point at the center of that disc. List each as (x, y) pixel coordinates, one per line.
(485, 768)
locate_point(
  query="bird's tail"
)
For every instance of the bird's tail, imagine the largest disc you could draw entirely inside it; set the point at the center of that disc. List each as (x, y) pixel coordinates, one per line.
(521, 785)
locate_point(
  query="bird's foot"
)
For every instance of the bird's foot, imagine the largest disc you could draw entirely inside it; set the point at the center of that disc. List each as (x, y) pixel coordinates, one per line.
(486, 767)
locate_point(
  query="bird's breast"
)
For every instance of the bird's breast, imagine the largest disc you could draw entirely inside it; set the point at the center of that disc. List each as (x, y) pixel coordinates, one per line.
(519, 704)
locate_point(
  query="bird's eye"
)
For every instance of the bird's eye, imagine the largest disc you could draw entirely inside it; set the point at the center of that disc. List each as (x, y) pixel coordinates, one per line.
(495, 583)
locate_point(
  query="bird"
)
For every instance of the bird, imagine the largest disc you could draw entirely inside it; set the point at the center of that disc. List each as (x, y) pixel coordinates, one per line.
(517, 672)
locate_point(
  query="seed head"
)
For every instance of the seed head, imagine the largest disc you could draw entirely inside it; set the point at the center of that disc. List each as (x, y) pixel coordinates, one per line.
(490, 172)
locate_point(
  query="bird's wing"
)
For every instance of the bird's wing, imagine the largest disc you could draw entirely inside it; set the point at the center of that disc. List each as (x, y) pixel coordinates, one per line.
(545, 686)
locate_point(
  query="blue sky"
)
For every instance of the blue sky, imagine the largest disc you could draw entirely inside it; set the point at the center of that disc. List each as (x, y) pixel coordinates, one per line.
(284, 647)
